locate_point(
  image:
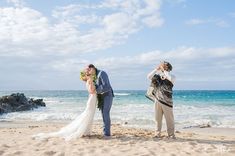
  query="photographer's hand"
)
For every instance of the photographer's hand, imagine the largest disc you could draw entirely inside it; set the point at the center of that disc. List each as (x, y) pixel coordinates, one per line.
(160, 67)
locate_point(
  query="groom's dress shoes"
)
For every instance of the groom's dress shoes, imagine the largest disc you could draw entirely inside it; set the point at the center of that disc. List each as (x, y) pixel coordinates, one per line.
(105, 137)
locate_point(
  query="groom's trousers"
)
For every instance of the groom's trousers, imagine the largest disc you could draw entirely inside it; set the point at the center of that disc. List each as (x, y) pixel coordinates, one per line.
(161, 110)
(108, 100)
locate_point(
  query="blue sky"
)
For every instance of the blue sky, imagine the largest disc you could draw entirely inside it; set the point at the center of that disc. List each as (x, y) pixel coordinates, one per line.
(44, 44)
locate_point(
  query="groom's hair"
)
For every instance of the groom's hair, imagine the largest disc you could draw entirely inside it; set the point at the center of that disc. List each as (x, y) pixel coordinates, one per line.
(91, 66)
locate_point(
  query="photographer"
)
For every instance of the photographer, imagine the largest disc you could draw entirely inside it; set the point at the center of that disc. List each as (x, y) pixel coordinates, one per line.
(163, 81)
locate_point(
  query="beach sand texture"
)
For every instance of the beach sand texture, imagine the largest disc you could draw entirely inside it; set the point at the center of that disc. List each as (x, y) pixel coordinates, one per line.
(16, 140)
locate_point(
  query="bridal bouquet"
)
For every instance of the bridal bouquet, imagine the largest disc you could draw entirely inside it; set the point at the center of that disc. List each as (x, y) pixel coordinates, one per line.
(100, 97)
(83, 76)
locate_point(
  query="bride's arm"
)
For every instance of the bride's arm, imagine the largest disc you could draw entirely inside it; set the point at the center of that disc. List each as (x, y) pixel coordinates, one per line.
(91, 88)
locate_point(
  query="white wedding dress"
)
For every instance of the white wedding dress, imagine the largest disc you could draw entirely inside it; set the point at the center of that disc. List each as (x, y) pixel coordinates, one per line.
(81, 126)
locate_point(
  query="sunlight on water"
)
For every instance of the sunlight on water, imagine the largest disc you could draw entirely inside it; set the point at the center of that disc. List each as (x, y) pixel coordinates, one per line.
(190, 108)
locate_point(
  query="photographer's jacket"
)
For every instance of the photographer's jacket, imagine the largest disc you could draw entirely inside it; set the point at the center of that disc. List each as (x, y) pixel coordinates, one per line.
(162, 82)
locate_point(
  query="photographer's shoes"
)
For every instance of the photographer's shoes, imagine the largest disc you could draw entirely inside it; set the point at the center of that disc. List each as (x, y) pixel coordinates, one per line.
(171, 137)
(157, 135)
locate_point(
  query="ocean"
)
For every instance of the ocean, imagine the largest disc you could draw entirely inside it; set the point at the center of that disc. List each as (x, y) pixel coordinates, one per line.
(132, 108)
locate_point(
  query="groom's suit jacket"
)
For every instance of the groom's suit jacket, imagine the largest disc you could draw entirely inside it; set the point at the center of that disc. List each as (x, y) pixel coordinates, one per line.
(103, 85)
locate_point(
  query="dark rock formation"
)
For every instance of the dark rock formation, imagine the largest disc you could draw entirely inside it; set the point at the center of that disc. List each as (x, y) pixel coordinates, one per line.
(18, 102)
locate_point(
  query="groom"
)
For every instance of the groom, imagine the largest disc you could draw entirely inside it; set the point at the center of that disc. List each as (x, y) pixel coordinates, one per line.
(104, 90)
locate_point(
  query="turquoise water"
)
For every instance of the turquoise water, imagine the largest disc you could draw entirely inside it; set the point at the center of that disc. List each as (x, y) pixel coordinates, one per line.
(191, 107)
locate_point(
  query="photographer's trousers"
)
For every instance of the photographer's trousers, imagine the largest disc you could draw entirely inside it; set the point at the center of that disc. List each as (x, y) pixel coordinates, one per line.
(160, 110)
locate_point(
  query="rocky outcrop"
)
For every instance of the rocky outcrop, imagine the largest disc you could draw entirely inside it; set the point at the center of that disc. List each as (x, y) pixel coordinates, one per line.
(18, 102)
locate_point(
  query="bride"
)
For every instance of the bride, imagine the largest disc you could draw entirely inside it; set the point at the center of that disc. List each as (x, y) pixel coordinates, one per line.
(82, 125)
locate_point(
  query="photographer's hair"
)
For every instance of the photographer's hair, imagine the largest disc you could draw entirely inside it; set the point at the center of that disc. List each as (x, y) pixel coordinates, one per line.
(168, 66)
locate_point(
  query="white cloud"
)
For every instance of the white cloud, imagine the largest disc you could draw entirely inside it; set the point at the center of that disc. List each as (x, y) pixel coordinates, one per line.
(222, 52)
(77, 28)
(179, 56)
(151, 6)
(73, 29)
(17, 3)
(69, 65)
(119, 23)
(153, 21)
(21, 24)
(191, 65)
(217, 22)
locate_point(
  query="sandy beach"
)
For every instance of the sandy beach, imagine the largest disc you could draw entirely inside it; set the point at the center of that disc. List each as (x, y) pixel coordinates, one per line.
(16, 140)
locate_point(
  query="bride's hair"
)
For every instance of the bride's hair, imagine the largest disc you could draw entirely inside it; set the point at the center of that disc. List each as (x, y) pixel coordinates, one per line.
(84, 79)
(84, 75)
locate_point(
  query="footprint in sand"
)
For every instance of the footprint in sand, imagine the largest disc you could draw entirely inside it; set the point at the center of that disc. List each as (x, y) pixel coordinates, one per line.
(164, 149)
(39, 144)
(124, 150)
(105, 150)
(49, 152)
(54, 143)
(31, 127)
(193, 143)
(60, 154)
(6, 146)
(17, 153)
(232, 151)
(91, 151)
(213, 146)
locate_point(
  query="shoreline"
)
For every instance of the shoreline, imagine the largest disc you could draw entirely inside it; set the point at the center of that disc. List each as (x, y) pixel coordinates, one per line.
(223, 131)
(16, 140)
